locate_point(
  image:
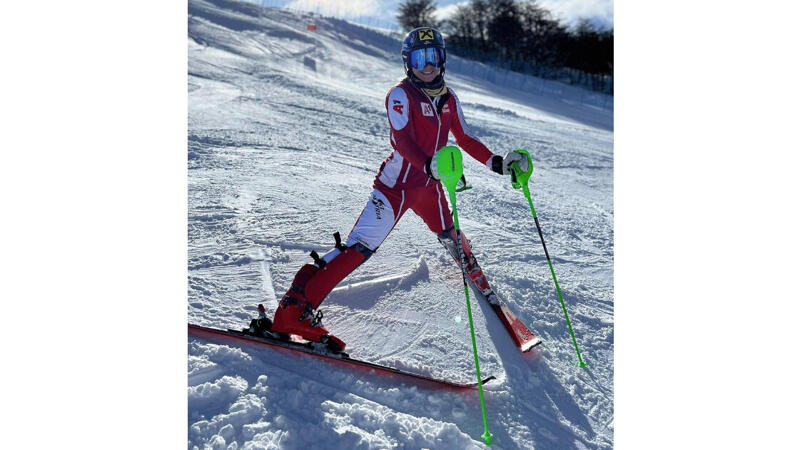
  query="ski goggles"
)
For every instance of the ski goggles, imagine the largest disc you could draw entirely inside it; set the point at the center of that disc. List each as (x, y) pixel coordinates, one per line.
(421, 57)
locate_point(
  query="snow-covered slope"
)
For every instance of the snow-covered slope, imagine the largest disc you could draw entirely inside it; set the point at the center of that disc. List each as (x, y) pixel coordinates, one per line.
(286, 131)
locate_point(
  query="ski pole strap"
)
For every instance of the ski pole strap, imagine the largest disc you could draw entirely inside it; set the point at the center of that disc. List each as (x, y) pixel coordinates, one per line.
(462, 184)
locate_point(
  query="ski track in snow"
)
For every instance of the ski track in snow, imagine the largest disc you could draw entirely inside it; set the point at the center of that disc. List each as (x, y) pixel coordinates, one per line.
(284, 142)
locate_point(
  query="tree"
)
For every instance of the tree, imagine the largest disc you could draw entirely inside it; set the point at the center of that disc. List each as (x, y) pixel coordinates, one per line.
(591, 49)
(504, 27)
(523, 32)
(417, 13)
(544, 38)
(458, 27)
(480, 18)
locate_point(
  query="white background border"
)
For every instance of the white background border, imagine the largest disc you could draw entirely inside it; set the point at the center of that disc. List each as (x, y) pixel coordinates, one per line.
(94, 224)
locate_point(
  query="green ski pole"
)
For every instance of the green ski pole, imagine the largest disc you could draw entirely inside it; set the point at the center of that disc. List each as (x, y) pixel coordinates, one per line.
(519, 179)
(448, 165)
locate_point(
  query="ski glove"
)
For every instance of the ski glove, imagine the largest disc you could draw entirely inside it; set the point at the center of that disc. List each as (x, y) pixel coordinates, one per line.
(430, 169)
(502, 165)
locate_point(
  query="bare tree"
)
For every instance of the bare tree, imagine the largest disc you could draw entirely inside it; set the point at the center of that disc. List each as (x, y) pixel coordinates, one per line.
(417, 13)
(460, 27)
(480, 18)
(544, 35)
(504, 28)
(525, 35)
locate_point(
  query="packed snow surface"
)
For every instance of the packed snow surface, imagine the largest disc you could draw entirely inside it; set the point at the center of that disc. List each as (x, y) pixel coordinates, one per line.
(287, 129)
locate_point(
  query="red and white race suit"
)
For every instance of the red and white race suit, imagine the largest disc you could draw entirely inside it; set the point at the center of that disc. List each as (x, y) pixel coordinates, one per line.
(419, 127)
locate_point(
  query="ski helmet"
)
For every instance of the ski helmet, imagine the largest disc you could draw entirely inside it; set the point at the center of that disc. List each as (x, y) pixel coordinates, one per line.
(422, 46)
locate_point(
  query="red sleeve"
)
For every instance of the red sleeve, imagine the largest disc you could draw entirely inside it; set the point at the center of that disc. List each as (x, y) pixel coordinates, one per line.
(402, 128)
(466, 140)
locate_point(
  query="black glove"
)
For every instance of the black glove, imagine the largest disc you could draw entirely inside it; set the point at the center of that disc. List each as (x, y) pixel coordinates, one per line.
(497, 164)
(502, 165)
(430, 169)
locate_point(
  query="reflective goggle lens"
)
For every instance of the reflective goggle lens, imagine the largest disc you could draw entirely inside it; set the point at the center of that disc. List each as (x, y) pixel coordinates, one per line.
(424, 56)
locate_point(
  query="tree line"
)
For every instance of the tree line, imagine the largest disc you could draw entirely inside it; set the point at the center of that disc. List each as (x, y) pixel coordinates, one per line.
(523, 36)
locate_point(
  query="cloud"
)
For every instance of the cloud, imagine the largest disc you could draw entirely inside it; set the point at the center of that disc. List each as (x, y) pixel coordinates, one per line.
(338, 8)
(446, 12)
(569, 11)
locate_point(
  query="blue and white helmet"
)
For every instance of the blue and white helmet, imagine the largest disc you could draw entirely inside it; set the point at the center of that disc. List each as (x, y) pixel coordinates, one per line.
(424, 45)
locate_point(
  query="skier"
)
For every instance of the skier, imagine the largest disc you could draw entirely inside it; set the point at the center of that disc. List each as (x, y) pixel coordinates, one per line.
(421, 110)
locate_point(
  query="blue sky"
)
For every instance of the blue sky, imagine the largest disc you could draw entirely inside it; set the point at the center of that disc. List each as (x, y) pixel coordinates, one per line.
(600, 12)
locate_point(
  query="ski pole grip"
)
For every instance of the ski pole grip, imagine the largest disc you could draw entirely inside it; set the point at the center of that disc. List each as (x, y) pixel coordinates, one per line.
(518, 176)
(449, 165)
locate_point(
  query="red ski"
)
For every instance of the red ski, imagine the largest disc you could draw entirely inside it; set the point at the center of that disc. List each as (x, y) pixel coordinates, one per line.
(308, 348)
(522, 336)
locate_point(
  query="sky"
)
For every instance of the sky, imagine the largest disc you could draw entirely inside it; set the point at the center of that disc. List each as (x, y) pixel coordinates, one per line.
(382, 12)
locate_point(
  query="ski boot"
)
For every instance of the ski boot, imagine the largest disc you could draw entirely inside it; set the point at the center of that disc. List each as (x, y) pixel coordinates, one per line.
(297, 312)
(296, 316)
(474, 271)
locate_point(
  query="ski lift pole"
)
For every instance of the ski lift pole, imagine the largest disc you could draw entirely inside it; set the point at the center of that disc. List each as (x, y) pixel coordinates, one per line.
(448, 165)
(519, 179)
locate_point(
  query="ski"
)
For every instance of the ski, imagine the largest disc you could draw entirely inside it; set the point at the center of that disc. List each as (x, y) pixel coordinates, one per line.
(522, 336)
(309, 349)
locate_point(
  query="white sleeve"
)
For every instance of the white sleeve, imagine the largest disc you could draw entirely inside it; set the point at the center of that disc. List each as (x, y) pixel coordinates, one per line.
(397, 108)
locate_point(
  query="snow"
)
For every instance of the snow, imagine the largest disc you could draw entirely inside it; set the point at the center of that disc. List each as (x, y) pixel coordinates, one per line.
(287, 129)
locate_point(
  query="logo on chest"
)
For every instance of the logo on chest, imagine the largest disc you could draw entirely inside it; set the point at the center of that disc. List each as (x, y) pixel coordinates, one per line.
(427, 109)
(446, 108)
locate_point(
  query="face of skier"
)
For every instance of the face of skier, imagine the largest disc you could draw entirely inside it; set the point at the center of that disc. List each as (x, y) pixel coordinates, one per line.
(427, 74)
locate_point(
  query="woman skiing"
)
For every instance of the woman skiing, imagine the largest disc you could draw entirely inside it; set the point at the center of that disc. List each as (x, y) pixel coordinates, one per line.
(421, 110)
